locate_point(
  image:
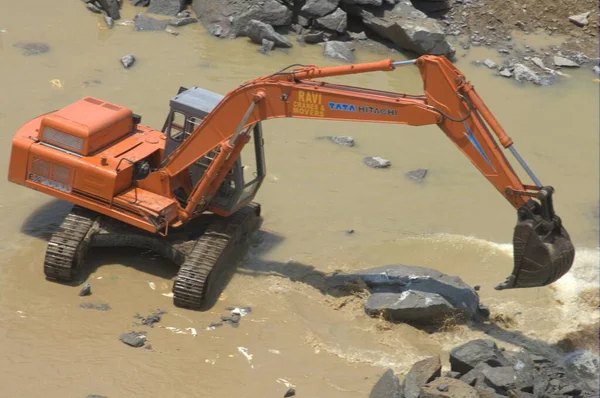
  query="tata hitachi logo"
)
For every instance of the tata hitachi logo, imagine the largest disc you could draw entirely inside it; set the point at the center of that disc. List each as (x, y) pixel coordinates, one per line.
(49, 183)
(338, 106)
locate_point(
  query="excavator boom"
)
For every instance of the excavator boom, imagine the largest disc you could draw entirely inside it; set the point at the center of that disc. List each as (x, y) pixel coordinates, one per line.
(543, 251)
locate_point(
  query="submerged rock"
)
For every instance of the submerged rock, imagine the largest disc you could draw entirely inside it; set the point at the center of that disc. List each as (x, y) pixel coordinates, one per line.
(340, 140)
(376, 162)
(267, 46)
(257, 31)
(153, 318)
(111, 7)
(128, 60)
(32, 48)
(339, 50)
(146, 23)
(417, 175)
(182, 21)
(91, 306)
(410, 306)
(388, 386)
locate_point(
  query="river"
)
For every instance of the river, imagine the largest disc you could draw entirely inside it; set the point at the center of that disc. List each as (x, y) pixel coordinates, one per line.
(455, 222)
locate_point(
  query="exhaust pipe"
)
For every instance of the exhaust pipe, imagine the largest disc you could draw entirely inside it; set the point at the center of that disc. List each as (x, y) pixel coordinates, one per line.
(543, 251)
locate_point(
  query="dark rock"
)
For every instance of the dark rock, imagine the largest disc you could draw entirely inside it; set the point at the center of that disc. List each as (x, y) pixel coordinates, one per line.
(410, 306)
(417, 175)
(233, 15)
(112, 8)
(319, 8)
(313, 37)
(153, 318)
(475, 376)
(432, 8)
(86, 290)
(408, 28)
(140, 3)
(464, 357)
(350, 231)
(501, 379)
(166, 7)
(456, 389)
(134, 339)
(539, 359)
(337, 21)
(93, 8)
(290, 392)
(452, 375)
(340, 140)
(128, 61)
(303, 21)
(32, 48)
(420, 374)
(91, 306)
(146, 23)
(233, 320)
(216, 30)
(267, 45)
(388, 386)
(523, 73)
(338, 50)
(376, 162)
(182, 21)
(524, 367)
(565, 62)
(257, 31)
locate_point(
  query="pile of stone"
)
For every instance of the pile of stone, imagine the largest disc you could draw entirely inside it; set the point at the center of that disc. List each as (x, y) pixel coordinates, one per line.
(479, 368)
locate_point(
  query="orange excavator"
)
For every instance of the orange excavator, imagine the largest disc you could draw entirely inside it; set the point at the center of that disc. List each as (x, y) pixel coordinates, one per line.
(184, 193)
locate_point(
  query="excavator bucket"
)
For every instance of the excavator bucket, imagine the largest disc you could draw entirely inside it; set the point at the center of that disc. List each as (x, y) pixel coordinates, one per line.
(543, 251)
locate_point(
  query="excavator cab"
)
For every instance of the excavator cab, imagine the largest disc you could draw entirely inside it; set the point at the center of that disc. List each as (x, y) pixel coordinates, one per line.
(187, 110)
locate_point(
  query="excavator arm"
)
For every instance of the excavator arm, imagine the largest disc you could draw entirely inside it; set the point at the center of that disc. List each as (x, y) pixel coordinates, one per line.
(543, 251)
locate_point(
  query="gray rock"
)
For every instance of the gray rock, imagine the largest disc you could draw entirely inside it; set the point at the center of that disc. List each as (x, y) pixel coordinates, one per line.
(501, 379)
(319, 8)
(523, 73)
(466, 356)
(257, 31)
(489, 63)
(456, 389)
(524, 367)
(408, 28)
(303, 21)
(337, 20)
(376, 162)
(411, 306)
(420, 374)
(443, 387)
(109, 21)
(363, 2)
(267, 45)
(338, 50)
(584, 365)
(417, 175)
(32, 48)
(182, 21)
(538, 62)
(93, 8)
(485, 392)
(540, 385)
(388, 386)
(145, 23)
(134, 339)
(565, 62)
(91, 306)
(232, 16)
(111, 7)
(166, 7)
(153, 318)
(475, 376)
(86, 290)
(313, 36)
(358, 36)
(596, 70)
(505, 72)
(290, 392)
(183, 14)
(340, 140)
(128, 61)
(580, 19)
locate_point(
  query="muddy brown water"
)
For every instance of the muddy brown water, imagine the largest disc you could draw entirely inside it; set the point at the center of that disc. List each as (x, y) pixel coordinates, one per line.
(315, 191)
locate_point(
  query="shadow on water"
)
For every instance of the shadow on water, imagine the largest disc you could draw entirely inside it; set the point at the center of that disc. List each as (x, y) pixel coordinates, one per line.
(44, 220)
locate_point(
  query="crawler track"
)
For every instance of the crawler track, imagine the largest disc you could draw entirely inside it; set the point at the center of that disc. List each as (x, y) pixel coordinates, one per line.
(68, 244)
(195, 276)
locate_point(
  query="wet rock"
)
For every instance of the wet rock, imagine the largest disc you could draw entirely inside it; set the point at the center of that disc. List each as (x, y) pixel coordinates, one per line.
(257, 31)
(91, 306)
(538, 62)
(358, 36)
(432, 8)
(376, 162)
(340, 140)
(501, 379)
(489, 63)
(388, 386)
(109, 21)
(290, 392)
(153, 318)
(408, 28)
(86, 290)
(182, 21)
(580, 19)
(32, 48)
(319, 8)
(338, 50)
(313, 36)
(128, 60)
(93, 8)
(565, 62)
(523, 73)
(111, 7)
(336, 21)
(455, 389)
(465, 357)
(443, 387)
(505, 72)
(267, 46)
(134, 339)
(411, 306)
(420, 374)
(417, 175)
(146, 23)
(230, 17)
(166, 7)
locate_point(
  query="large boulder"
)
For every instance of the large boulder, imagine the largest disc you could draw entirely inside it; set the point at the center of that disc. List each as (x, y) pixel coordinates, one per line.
(411, 306)
(258, 31)
(407, 27)
(466, 356)
(318, 8)
(229, 18)
(388, 386)
(423, 282)
(337, 21)
(421, 373)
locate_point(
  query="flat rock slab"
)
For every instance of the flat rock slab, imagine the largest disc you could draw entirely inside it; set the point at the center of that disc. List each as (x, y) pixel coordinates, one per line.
(340, 140)
(166, 7)
(338, 50)
(363, 2)
(377, 162)
(465, 357)
(565, 62)
(146, 23)
(257, 31)
(32, 48)
(580, 19)
(133, 339)
(388, 386)
(420, 374)
(182, 21)
(417, 175)
(445, 387)
(410, 306)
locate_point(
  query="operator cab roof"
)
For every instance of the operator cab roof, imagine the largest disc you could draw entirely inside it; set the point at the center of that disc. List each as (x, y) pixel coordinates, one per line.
(195, 101)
